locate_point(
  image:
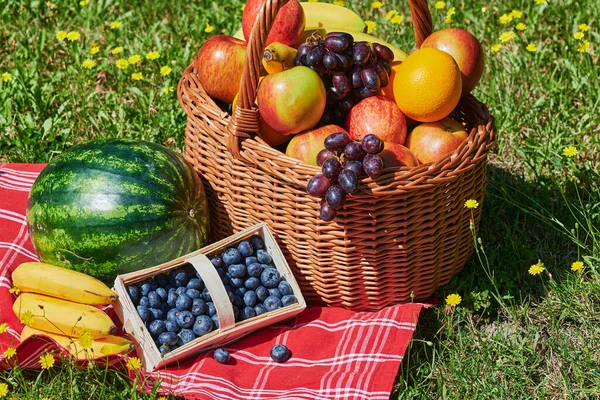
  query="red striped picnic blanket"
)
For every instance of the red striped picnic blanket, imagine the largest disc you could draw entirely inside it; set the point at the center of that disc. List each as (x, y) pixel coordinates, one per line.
(336, 353)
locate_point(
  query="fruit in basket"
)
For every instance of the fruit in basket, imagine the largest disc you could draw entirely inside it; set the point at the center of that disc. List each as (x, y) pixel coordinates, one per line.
(66, 284)
(331, 16)
(287, 27)
(278, 57)
(379, 116)
(268, 134)
(305, 146)
(430, 142)
(427, 85)
(62, 317)
(116, 206)
(219, 65)
(466, 51)
(396, 155)
(291, 101)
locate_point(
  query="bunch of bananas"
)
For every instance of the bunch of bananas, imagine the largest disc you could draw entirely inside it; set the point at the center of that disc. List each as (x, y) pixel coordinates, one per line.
(60, 303)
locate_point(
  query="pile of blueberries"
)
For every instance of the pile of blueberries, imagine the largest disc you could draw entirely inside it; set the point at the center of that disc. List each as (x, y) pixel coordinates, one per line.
(177, 307)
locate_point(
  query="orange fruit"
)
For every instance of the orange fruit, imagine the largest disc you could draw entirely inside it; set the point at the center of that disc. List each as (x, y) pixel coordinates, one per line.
(427, 85)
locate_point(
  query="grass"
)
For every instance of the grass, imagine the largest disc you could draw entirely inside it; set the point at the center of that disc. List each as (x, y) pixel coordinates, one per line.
(514, 335)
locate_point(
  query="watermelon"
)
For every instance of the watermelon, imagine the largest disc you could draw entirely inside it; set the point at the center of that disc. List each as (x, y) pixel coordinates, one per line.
(116, 206)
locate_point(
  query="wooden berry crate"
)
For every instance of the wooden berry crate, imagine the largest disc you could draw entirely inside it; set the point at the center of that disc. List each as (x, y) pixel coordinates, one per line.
(228, 331)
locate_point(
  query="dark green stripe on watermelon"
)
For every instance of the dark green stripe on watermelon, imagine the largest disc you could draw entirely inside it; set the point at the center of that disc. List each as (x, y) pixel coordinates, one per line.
(116, 206)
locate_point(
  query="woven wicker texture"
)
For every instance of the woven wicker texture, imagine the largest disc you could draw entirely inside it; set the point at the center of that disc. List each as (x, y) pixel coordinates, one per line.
(400, 237)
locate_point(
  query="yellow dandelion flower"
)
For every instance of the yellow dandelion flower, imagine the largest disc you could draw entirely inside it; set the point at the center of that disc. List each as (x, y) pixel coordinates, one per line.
(453, 299)
(115, 24)
(583, 27)
(537, 269)
(27, 318)
(505, 19)
(209, 28)
(507, 36)
(153, 55)
(166, 70)
(578, 35)
(531, 47)
(134, 363)
(73, 36)
(471, 203)
(167, 90)
(117, 50)
(397, 19)
(3, 327)
(122, 63)
(86, 340)
(584, 47)
(84, 3)
(577, 266)
(375, 5)
(448, 20)
(134, 59)
(451, 11)
(89, 64)
(391, 14)
(10, 353)
(94, 50)
(46, 361)
(440, 5)
(339, 3)
(520, 26)
(516, 14)
(244, 6)
(541, 1)
(570, 151)
(370, 26)
(136, 76)
(61, 35)
(14, 290)
(3, 390)
(6, 76)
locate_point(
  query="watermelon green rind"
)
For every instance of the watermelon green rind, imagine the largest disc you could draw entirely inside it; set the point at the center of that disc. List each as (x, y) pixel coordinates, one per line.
(116, 206)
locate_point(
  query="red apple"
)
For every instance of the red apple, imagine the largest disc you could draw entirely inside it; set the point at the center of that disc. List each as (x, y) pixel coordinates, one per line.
(287, 28)
(306, 145)
(268, 134)
(432, 141)
(396, 155)
(466, 51)
(291, 101)
(377, 115)
(219, 65)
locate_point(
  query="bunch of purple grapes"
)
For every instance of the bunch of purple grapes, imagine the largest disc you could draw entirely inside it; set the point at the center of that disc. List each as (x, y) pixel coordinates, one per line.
(351, 71)
(343, 161)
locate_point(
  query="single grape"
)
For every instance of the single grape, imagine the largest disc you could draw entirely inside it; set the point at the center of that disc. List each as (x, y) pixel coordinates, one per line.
(319, 69)
(370, 79)
(348, 181)
(343, 62)
(336, 43)
(362, 93)
(303, 61)
(372, 144)
(344, 35)
(354, 151)
(381, 72)
(337, 141)
(303, 49)
(383, 52)
(318, 186)
(327, 213)
(361, 53)
(331, 169)
(335, 197)
(334, 95)
(346, 105)
(315, 56)
(330, 61)
(324, 155)
(355, 166)
(373, 166)
(341, 83)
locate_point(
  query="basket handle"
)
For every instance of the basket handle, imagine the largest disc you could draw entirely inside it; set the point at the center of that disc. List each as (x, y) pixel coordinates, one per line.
(245, 118)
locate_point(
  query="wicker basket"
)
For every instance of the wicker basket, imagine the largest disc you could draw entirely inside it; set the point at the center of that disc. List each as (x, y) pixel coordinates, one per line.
(402, 236)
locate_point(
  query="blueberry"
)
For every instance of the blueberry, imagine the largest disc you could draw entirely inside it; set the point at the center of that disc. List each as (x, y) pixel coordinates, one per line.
(145, 289)
(231, 256)
(280, 353)
(156, 313)
(186, 336)
(206, 295)
(211, 309)
(172, 298)
(252, 283)
(164, 349)
(172, 326)
(215, 319)
(221, 272)
(260, 309)
(143, 312)
(250, 298)
(272, 303)
(248, 312)
(240, 292)
(237, 301)
(165, 307)
(255, 269)
(162, 293)
(285, 288)
(169, 287)
(172, 314)
(169, 338)
(257, 242)
(157, 327)
(181, 279)
(195, 283)
(275, 292)
(288, 300)
(221, 356)
(245, 249)
(184, 302)
(262, 293)
(263, 257)
(162, 280)
(152, 283)
(217, 261)
(180, 290)
(226, 279)
(270, 278)
(199, 307)
(203, 325)
(190, 271)
(236, 270)
(134, 294)
(236, 313)
(193, 293)
(251, 260)
(153, 300)
(237, 282)
(185, 319)
(144, 301)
